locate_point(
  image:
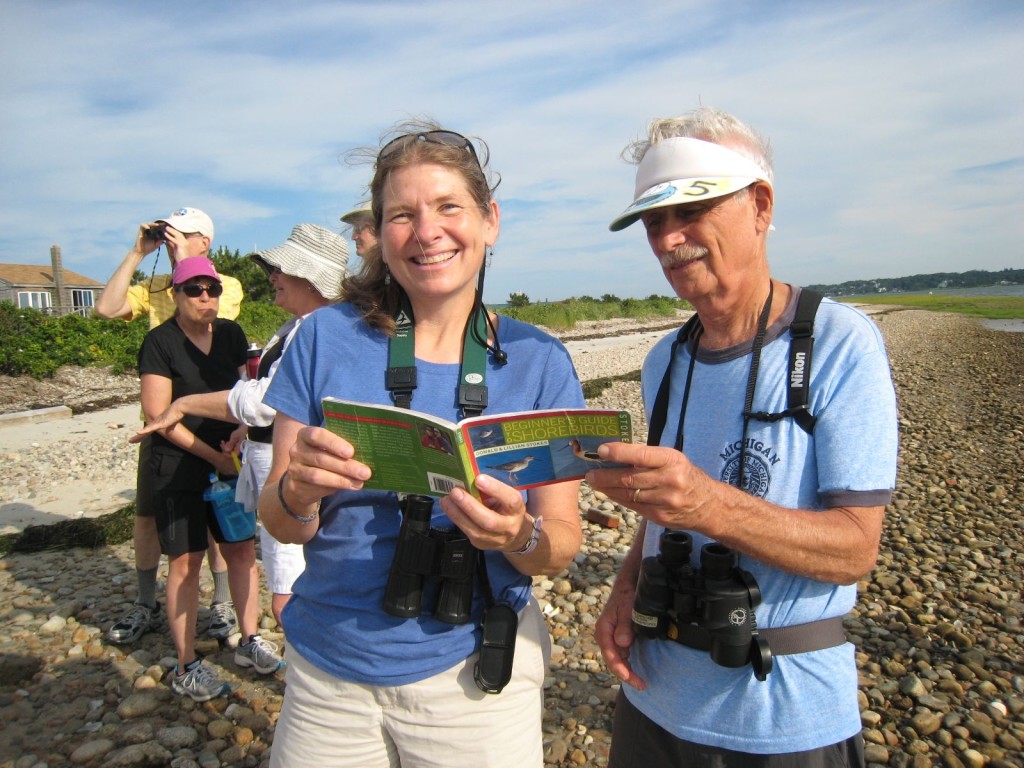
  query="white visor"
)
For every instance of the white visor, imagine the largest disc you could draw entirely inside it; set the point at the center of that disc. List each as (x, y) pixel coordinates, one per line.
(683, 170)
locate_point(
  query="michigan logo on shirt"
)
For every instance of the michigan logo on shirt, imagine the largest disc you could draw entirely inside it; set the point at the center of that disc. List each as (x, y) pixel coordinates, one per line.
(756, 474)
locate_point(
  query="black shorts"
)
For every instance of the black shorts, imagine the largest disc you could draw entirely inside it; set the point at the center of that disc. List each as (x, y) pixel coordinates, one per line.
(183, 516)
(183, 521)
(639, 742)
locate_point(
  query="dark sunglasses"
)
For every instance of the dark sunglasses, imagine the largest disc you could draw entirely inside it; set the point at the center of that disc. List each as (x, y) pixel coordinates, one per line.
(269, 269)
(449, 138)
(195, 290)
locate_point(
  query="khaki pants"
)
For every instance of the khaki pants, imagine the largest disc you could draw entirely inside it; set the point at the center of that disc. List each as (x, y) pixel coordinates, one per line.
(442, 722)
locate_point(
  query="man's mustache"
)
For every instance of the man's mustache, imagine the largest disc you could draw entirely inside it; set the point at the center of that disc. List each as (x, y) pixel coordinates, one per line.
(682, 255)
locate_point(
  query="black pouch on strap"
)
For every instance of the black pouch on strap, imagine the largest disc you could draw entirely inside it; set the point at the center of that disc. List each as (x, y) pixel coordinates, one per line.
(494, 668)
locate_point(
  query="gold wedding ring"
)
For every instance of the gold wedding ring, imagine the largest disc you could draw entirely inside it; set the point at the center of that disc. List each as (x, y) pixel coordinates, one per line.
(636, 495)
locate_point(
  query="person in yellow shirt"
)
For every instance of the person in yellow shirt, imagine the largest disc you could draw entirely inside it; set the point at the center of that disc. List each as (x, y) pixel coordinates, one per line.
(186, 232)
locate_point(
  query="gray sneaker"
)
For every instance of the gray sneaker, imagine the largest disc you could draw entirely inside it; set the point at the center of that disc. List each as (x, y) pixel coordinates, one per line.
(223, 622)
(199, 683)
(134, 624)
(260, 654)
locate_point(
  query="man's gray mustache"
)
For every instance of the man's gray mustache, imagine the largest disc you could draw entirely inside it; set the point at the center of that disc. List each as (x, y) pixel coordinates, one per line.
(682, 254)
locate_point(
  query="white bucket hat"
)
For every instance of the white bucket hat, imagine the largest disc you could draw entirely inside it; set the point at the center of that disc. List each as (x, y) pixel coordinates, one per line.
(313, 253)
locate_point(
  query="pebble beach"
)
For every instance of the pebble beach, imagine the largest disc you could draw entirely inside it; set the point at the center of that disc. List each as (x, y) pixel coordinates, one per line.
(940, 643)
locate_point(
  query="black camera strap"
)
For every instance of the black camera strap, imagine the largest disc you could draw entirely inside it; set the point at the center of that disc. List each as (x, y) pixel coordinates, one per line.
(500, 622)
(799, 375)
(692, 330)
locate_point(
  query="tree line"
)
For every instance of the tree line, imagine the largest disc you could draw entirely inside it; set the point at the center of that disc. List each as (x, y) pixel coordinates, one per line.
(975, 278)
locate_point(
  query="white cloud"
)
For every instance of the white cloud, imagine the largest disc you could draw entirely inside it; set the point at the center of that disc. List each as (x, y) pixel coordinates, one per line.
(897, 127)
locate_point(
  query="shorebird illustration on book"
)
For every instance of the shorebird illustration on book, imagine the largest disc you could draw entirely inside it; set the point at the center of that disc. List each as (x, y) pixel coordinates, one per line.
(513, 467)
(580, 453)
(487, 436)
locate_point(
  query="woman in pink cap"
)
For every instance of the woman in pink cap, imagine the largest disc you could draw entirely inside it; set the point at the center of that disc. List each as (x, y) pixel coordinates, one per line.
(193, 352)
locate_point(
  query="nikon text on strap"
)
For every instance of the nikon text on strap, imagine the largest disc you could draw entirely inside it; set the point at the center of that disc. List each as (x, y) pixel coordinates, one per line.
(799, 384)
(801, 346)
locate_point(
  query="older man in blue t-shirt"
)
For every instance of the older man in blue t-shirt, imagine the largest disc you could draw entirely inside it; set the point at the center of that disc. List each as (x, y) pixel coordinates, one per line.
(750, 667)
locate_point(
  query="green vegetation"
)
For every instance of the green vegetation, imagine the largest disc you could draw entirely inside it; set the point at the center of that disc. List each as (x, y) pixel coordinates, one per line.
(37, 345)
(40, 344)
(260, 321)
(564, 315)
(246, 271)
(988, 307)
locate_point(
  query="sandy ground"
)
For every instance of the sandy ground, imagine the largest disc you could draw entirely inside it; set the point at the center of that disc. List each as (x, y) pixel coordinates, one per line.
(85, 497)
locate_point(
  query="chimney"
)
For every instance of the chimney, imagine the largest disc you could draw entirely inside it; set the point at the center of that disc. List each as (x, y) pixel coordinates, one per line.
(58, 280)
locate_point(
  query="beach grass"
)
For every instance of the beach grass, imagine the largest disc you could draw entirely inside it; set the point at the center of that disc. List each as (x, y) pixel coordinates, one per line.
(987, 307)
(564, 315)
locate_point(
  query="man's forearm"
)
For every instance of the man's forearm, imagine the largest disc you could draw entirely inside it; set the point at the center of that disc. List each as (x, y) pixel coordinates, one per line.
(113, 301)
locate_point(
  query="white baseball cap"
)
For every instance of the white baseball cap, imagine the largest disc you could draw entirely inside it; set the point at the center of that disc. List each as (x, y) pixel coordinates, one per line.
(189, 220)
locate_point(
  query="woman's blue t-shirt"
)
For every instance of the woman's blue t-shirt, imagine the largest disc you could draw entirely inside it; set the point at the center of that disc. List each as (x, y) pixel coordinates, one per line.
(335, 618)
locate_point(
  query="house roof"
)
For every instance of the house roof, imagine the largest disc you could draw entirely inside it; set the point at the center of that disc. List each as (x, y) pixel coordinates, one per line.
(32, 275)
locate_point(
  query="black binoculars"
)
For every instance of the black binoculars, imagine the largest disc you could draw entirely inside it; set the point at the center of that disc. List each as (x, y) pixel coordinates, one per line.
(424, 553)
(710, 608)
(156, 232)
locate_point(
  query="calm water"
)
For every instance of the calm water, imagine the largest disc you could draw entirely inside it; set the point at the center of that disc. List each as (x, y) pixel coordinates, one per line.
(1014, 326)
(991, 290)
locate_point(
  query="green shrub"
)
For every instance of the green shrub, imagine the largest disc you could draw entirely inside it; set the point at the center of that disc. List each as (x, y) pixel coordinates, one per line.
(37, 345)
(255, 284)
(261, 320)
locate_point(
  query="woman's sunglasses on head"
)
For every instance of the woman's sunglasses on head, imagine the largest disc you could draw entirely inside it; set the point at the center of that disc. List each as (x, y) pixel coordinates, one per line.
(195, 290)
(450, 138)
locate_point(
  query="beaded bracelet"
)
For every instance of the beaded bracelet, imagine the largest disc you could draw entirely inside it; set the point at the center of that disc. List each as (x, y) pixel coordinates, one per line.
(284, 505)
(531, 545)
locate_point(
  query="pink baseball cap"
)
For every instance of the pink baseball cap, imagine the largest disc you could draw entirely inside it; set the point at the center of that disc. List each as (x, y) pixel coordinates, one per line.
(196, 266)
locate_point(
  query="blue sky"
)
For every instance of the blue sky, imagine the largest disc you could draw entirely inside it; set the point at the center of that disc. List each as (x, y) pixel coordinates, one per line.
(898, 128)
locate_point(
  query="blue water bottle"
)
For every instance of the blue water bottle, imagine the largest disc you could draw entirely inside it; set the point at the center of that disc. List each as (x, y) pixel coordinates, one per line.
(235, 522)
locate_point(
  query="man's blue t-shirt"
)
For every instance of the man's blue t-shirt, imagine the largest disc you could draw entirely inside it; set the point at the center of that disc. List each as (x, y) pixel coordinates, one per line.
(809, 700)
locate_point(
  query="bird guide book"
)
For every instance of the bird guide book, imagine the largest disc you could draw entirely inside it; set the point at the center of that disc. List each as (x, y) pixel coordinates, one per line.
(414, 452)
